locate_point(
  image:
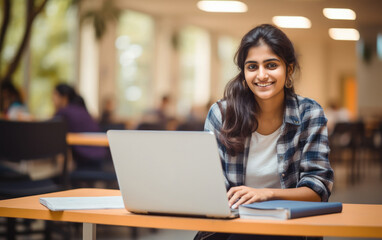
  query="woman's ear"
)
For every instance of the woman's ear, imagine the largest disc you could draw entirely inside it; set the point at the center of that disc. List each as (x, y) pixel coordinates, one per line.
(290, 69)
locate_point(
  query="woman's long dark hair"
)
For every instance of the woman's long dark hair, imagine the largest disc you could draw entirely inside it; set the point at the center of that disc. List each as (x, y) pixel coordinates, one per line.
(67, 91)
(242, 110)
(14, 95)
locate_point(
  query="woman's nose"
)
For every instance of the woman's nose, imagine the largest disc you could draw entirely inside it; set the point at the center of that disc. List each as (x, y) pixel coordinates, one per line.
(262, 74)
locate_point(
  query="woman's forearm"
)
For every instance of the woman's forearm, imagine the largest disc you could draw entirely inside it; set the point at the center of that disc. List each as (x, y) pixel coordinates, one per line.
(246, 195)
(297, 194)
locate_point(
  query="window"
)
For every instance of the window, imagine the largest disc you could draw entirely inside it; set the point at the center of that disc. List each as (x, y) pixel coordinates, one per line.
(53, 59)
(135, 48)
(194, 51)
(49, 58)
(227, 47)
(12, 39)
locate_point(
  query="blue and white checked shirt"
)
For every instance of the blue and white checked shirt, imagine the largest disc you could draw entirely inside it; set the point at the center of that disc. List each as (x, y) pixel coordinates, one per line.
(302, 148)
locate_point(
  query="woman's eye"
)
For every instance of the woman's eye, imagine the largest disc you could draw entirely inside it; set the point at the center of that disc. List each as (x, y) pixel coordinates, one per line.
(272, 65)
(252, 67)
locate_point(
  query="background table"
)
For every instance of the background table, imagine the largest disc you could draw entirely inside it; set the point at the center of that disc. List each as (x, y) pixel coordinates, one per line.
(356, 220)
(88, 139)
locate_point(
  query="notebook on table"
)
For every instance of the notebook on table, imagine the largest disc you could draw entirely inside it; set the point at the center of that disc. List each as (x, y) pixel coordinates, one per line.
(285, 209)
(170, 172)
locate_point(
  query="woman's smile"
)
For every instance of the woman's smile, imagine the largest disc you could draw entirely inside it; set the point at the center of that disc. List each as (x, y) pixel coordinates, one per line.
(264, 84)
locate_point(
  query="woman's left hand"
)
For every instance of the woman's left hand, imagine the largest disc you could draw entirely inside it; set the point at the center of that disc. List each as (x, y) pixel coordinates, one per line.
(246, 195)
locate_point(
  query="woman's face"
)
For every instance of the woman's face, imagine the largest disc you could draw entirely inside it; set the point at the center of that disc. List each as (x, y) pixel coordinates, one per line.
(58, 100)
(265, 73)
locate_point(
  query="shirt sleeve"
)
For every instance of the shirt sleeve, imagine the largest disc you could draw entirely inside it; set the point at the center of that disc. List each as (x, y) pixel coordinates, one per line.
(315, 170)
(213, 124)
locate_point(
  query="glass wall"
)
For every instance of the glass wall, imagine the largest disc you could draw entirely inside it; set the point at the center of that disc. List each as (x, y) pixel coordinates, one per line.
(135, 49)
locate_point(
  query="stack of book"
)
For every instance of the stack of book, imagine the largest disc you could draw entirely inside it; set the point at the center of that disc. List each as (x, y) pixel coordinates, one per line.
(284, 209)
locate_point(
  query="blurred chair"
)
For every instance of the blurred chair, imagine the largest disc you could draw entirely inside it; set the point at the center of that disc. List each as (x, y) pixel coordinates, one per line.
(25, 141)
(191, 126)
(376, 139)
(151, 126)
(346, 144)
(90, 178)
(93, 172)
(101, 176)
(112, 126)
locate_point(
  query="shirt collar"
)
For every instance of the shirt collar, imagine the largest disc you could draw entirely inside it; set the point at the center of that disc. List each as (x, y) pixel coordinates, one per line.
(292, 113)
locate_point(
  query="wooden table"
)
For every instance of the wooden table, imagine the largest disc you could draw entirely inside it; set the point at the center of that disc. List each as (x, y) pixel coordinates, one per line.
(356, 220)
(88, 139)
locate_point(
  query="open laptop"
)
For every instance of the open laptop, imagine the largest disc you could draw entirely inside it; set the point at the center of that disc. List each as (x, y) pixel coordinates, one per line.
(170, 173)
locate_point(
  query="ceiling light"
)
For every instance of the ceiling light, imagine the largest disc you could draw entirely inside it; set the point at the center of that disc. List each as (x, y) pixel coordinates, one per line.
(292, 22)
(349, 34)
(222, 6)
(339, 13)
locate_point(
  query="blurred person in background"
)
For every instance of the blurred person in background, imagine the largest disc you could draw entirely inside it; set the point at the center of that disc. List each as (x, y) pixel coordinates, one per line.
(108, 109)
(12, 106)
(158, 118)
(162, 112)
(194, 121)
(108, 119)
(71, 107)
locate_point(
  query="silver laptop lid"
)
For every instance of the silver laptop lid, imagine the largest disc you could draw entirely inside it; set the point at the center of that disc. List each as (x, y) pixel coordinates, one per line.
(169, 172)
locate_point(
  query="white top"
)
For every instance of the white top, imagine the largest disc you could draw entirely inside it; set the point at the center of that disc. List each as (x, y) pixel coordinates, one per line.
(261, 171)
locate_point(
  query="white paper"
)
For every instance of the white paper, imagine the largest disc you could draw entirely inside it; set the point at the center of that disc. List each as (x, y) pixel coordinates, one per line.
(82, 203)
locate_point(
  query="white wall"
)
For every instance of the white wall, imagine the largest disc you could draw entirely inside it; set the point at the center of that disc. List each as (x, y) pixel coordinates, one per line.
(341, 62)
(311, 82)
(370, 88)
(324, 63)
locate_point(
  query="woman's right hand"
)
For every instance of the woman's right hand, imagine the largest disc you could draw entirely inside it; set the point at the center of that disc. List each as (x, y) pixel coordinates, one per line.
(246, 195)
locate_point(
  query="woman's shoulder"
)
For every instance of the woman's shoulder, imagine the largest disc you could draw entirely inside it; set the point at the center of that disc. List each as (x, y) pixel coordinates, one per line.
(73, 111)
(303, 109)
(215, 113)
(218, 106)
(303, 103)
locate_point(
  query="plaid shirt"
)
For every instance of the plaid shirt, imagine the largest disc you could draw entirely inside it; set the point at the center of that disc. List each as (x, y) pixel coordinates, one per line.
(302, 148)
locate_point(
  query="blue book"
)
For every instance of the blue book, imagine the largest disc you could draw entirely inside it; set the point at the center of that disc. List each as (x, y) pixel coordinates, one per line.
(285, 209)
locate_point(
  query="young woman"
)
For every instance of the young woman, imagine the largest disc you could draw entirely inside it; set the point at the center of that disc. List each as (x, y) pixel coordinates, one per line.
(273, 143)
(12, 106)
(71, 107)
